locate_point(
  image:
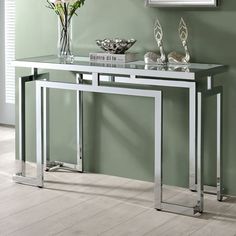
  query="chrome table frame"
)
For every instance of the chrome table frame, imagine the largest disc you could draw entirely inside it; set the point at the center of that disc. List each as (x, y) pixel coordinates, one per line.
(196, 95)
(42, 85)
(177, 79)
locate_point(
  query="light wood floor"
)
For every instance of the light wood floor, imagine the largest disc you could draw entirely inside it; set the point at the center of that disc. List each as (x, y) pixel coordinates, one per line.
(92, 204)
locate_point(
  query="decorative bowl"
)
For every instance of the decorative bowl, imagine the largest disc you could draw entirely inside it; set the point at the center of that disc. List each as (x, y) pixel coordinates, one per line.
(115, 46)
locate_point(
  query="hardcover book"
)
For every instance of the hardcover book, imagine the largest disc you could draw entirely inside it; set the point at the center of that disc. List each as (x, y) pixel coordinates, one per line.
(114, 58)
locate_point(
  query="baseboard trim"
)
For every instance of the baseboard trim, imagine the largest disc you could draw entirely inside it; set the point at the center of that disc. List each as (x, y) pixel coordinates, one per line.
(8, 126)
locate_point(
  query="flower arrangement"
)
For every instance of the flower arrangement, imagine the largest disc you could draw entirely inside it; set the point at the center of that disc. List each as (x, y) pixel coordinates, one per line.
(65, 9)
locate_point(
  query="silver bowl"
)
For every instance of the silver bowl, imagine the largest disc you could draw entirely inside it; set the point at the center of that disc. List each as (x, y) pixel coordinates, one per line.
(115, 46)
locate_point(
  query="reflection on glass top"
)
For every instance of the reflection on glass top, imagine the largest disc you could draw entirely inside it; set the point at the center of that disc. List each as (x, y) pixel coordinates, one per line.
(140, 65)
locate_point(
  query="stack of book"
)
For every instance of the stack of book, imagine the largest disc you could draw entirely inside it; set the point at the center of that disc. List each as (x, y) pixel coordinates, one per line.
(114, 58)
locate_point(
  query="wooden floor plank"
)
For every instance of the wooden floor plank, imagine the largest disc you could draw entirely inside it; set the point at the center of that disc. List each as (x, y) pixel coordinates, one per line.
(17, 205)
(39, 212)
(68, 217)
(140, 224)
(93, 204)
(179, 226)
(104, 220)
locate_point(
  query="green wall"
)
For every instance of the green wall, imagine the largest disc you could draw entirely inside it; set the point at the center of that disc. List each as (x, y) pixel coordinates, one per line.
(119, 130)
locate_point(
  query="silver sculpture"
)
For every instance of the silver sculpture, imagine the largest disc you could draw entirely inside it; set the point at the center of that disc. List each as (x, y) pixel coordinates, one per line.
(179, 67)
(155, 66)
(152, 57)
(175, 57)
(115, 46)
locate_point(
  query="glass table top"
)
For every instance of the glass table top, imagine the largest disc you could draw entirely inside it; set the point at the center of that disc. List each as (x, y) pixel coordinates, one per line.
(83, 63)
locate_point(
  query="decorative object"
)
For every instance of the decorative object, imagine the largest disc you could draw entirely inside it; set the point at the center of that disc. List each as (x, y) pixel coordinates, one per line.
(115, 58)
(155, 67)
(64, 41)
(175, 57)
(65, 9)
(181, 3)
(176, 67)
(115, 46)
(152, 57)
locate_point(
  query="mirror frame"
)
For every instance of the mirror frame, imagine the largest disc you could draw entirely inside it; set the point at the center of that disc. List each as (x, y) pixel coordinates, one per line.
(181, 3)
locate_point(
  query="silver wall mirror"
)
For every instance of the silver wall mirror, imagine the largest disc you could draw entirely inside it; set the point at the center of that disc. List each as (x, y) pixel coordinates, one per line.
(182, 3)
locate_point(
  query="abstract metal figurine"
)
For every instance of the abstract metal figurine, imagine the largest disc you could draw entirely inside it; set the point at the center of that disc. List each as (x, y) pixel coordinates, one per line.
(152, 57)
(175, 57)
(178, 67)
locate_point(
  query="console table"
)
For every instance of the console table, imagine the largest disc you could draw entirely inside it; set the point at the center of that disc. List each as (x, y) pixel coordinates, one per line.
(197, 78)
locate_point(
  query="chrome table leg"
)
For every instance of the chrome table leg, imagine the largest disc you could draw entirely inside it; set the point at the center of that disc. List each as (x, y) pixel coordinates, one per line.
(55, 165)
(158, 154)
(20, 175)
(21, 168)
(192, 137)
(218, 92)
(39, 136)
(21, 118)
(157, 95)
(79, 124)
(199, 153)
(219, 147)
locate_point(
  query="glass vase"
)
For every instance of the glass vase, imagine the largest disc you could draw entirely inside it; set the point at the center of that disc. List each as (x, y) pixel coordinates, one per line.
(64, 48)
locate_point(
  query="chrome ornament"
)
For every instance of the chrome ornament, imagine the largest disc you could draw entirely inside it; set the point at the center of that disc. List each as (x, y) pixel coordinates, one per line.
(179, 67)
(115, 46)
(152, 57)
(176, 57)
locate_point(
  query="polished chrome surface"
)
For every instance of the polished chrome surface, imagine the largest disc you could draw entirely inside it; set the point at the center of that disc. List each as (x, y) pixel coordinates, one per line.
(21, 173)
(79, 124)
(158, 171)
(55, 165)
(209, 82)
(95, 79)
(158, 141)
(157, 95)
(152, 57)
(27, 180)
(178, 209)
(115, 46)
(21, 125)
(200, 192)
(217, 92)
(137, 73)
(46, 158)
(39, 136)
(182, 3)
(192, 136)
(219, 147)
(179, 58)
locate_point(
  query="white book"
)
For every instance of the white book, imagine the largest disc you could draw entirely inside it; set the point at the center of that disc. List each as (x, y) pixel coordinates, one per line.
(114, 58)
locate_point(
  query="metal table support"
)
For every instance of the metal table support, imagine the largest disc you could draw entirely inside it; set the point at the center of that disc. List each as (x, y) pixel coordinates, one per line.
(131, 73)
(194, 100)
(20, 175)
(191, 86)
(55, 165)
(158, 202)
(218, 93)
(157, 95)
(41, 137)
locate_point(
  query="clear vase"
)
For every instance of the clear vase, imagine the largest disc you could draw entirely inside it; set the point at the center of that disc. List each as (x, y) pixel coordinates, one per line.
(64, 48)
